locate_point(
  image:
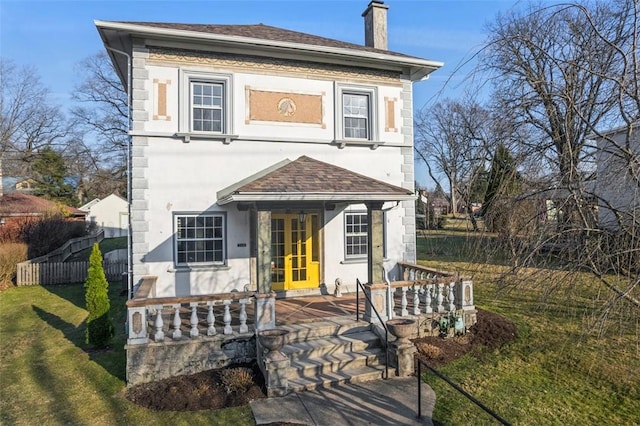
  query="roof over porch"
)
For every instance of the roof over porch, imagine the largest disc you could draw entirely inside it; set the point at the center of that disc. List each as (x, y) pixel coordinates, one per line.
(308, 180)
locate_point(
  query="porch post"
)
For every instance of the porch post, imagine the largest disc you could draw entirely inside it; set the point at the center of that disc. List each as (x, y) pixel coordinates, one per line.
(375, 257)
(264, 251)
(265, 301)
(375, 252)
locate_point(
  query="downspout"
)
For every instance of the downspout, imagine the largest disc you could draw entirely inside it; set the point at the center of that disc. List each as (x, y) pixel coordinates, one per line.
(129, 181)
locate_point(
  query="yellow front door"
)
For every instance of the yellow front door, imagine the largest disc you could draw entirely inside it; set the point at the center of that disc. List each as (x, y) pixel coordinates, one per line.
(295, 262)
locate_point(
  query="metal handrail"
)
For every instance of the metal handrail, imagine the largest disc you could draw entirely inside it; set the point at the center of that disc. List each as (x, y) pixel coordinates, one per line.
(359, 286)
(456, 387)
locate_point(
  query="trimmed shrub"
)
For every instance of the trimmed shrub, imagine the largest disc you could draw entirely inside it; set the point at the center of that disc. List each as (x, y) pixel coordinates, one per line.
(99, 326)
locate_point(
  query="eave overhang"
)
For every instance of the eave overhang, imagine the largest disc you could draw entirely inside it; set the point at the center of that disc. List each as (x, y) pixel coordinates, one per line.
(301, 197)
(118, 35)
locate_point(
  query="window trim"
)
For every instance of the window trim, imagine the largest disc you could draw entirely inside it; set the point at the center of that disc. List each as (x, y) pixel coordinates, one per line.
(185, 124)
(372, 93)
(347, 234)
(180, 265)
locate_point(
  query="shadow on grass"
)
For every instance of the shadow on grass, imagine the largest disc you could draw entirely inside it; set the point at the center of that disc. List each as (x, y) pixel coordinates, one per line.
(113, 358)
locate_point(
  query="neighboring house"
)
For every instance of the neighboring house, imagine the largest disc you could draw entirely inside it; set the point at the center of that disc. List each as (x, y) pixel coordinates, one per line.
(109, 214)
(17, 208)
(263, 160)
(618, 176)
(12, 184)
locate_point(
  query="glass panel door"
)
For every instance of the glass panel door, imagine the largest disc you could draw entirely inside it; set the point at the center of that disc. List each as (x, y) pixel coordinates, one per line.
(294, 258)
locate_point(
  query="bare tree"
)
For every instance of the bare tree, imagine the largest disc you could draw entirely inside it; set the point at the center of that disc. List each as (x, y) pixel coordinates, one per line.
(568, 74)
(28, 121)
(451, 137)
(102, 114)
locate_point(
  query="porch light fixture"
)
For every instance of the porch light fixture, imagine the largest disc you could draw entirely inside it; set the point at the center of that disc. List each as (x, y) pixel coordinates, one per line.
(302, 217)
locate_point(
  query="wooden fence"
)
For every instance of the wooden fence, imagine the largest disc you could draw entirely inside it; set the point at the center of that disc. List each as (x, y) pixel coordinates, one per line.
(64, 273)
(72, 246)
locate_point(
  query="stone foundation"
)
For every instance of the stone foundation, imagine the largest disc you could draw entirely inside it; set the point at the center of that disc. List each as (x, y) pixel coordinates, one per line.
(156, 361)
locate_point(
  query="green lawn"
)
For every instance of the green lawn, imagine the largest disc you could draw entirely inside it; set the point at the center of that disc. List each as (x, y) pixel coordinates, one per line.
(49, 376)
(557, 372)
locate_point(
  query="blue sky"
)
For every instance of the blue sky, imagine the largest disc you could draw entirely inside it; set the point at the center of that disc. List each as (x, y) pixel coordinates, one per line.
(55, 35)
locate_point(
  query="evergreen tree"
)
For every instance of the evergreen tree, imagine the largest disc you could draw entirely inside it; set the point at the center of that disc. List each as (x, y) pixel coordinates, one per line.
(99, 327)
(52, 176)
(502, 181)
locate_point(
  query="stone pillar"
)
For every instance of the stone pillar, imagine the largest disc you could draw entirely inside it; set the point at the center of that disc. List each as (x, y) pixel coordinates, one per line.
(137, 325)
(378, 295)
(375, 241)
(253, 248)
(403, 355)
(264, 251)
(276, 365)
(265, 311)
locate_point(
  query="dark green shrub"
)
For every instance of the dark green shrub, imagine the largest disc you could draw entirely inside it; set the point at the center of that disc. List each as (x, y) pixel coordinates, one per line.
(99, 326)
(441, 222)
(45, 235)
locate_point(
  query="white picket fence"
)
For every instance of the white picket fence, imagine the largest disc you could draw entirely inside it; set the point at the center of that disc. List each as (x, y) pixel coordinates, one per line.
(63, 273)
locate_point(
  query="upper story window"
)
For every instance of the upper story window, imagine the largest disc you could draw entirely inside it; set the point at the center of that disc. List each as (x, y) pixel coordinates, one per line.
(207, 107)
(356, 113)
(199, 239)
(356, 116)
(206, 104)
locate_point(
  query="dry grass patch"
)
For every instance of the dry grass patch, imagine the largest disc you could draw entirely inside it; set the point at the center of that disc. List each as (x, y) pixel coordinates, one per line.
(10, 255)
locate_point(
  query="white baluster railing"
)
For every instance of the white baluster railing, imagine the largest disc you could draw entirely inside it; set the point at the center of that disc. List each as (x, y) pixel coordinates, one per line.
(188, 317)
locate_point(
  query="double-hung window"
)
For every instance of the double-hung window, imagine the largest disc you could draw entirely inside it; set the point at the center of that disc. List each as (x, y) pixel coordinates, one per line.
(356, 227)
(356, 115)
(199, 239)
(207, 106)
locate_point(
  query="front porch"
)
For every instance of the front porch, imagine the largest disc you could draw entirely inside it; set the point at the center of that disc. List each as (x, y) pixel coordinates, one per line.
(185, 335)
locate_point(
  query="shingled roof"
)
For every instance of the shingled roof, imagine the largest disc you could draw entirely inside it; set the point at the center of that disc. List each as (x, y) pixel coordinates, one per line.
(265, 32)
(307, 179)
(18, 204)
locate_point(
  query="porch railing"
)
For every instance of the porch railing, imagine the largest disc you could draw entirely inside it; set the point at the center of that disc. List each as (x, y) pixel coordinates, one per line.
(430, 291)
(190, 317)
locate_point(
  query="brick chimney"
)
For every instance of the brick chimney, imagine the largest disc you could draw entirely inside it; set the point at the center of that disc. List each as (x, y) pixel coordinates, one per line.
(375, 25)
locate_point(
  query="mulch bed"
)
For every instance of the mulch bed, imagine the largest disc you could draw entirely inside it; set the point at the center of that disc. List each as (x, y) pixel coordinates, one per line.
(201, 391)
(491, 331)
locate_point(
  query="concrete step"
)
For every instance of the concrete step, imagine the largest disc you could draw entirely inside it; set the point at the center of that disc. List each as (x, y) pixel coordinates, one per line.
(317, 348)
(334, 362)
(347, 375)
(319, 329)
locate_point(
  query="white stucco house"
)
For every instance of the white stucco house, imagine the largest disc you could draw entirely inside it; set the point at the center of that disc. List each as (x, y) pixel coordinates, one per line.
(235, 127)
(265, 163)
(617, 185)
(109, 214)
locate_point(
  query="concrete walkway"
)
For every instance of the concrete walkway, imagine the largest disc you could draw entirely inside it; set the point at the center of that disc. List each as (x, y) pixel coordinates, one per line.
(379, 402)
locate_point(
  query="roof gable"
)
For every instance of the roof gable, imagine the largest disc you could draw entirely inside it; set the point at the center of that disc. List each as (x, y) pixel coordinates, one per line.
(307, 179)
